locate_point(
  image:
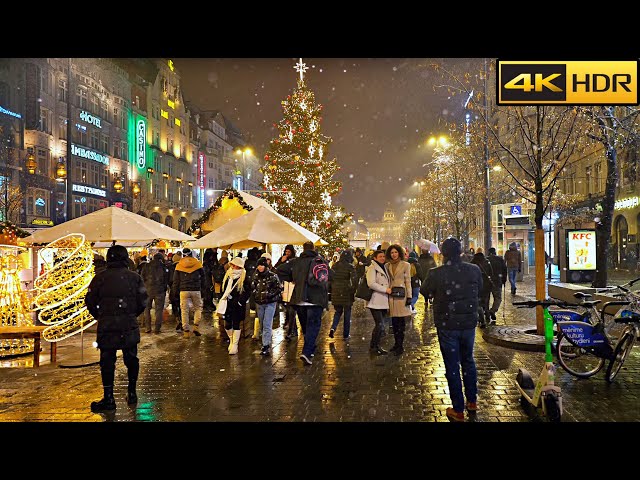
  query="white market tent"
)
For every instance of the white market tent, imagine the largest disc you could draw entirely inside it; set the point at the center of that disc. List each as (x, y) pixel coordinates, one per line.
(231, 207)
(108, 225)
(257, 227)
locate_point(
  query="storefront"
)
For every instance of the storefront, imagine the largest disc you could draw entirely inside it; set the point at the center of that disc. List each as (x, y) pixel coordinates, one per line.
(624, 233)
(87, 199)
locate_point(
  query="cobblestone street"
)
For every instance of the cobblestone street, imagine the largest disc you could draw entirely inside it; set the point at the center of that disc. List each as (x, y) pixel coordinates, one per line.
(195, 380)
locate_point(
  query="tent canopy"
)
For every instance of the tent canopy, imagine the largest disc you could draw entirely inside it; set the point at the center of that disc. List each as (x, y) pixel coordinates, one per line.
(257, 227)
(110, 224)
(231, 209)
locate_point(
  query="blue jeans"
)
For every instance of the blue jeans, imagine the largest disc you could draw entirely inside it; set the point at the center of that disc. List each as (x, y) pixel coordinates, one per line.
(314, 317)
(512, 272)
(265, 314)
(347, 318)
(415, 291)
(456, 347)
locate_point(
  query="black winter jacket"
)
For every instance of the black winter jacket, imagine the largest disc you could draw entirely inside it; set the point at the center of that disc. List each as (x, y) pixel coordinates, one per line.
(237, 301)
(487, 273)
(454, 287)
(266, 287)
(115, 298)
(499, 268)
(361, 266)
(343, 284)
(296, 270)
(187, 277)
(426, 262)
(156, 276)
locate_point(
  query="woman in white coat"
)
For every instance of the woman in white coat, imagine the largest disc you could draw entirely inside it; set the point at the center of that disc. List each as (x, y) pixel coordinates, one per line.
(378, 281)
(399, 272)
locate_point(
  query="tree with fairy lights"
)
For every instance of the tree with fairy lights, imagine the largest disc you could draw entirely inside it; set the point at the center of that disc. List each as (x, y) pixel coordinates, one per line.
(297, 176)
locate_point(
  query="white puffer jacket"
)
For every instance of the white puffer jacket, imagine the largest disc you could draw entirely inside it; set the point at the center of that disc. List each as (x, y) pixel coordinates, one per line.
(378, 281)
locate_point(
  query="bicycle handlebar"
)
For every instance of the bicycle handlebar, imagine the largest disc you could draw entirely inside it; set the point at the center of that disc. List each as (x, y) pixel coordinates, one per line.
(542, 303)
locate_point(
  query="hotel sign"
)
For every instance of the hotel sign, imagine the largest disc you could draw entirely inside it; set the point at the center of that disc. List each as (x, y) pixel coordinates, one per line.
(627, 203)
(10, 113)
(89, 154)
(92, 119)
(90, 190)
(141, 143)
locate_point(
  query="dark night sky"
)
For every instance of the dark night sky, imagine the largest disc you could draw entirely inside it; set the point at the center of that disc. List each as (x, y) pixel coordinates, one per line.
(378, 111)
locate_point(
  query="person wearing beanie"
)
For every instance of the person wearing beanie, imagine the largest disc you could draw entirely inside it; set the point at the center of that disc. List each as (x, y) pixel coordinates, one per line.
(269, 259)
(156, 280)
(237, 288)
(175, 300)
(454, 287)
(115, 298)
(267, 290)
(188, 282)
(290, 322)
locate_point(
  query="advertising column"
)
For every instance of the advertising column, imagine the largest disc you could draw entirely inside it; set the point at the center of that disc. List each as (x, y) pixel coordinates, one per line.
(581, 255)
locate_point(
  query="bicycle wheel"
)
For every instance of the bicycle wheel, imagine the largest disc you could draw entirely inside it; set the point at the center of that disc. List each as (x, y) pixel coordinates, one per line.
(552, 408)
(577, 361)
(620, 354)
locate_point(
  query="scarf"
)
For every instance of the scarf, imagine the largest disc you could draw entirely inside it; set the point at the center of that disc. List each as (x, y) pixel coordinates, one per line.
(234, 274)
(393, 264)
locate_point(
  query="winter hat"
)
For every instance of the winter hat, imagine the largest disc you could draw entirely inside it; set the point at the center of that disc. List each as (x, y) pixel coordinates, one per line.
(451, 248)
(186, 252)
(238, 261)
(413, 254)
(158, 256)
(266, 255)
(117, 253)
(263, 261)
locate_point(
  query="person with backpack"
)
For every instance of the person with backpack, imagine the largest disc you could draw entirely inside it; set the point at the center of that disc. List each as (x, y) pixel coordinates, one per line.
(343, 287)
(310, 274)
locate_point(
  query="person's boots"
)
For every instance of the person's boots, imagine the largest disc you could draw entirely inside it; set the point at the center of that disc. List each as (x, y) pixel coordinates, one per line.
(132, 396)
(230, 335)
(399, 337)
(236, 339)
(256, 329)
(107, 404)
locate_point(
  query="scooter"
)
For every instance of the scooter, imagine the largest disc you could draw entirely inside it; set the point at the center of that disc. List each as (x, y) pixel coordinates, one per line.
(543, 393)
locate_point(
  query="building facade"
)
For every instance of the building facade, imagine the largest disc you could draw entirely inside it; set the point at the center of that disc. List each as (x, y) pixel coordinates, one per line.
(387, 230)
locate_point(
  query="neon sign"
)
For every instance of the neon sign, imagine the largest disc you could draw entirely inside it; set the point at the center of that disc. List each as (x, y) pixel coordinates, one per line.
(201, 175)
(92, 119)
(141, 130)
(627, 203)
(90, 190)
(10, 113)
(89, 154)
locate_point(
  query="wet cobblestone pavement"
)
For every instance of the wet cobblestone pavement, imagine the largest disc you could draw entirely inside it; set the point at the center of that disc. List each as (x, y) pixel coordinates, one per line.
(195, 380)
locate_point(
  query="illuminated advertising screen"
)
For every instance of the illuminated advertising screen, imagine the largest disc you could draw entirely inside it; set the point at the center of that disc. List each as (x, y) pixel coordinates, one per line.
(582, 249)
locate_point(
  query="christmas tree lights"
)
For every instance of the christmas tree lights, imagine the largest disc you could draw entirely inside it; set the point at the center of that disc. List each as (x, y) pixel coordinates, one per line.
(297, 176)
(61, 290)
(14, 305)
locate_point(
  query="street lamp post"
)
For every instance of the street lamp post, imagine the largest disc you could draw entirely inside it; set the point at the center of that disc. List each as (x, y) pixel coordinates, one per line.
(244, 165)
(487, 201)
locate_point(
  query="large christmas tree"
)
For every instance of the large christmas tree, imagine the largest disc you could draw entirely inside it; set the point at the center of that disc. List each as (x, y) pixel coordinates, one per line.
(297, 174)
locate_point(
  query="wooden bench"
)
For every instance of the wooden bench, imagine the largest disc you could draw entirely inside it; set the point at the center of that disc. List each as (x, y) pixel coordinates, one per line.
(35, 332)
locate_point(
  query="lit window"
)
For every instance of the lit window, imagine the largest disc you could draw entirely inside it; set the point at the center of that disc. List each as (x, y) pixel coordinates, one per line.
(177, 120)
(171, 104)
(164, 113)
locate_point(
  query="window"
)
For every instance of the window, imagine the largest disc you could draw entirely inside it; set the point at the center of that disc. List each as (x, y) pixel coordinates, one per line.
(124, 150)
(157, 142)
(136, 102)
(94, 104)
(170, 172)
(105, 143)
(81, 136)
(170, 145)
(116, 116)
(156, 191)
(94, 174)
(211, 165)
(116, 149)
(123, 121)
(43, 161)
(30, 204)
(95, 139)
(588, 178)
(80, 172)
(62, 128)
(500, 216)
(210, 183)
(171, 195)
(46, 82)
(598, 177)
(227, 172)
(104, 110)
(168, 120)
(45, 120)
(81, 97)
(62, 90)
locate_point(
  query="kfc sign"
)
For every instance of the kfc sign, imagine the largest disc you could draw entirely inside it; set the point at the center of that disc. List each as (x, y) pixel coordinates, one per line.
(582, 249)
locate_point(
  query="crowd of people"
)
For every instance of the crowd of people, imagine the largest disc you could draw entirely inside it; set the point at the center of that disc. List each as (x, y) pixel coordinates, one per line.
(125, 291)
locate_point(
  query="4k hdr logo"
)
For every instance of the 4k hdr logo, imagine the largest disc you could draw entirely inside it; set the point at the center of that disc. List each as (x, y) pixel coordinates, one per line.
(568, 83)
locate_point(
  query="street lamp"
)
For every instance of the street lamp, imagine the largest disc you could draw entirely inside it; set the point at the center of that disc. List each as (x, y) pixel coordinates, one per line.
(244, 164)
(117, 186)
(31, 163)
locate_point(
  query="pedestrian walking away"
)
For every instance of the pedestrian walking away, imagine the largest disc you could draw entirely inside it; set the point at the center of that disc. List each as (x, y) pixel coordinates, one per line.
(513, 260)
(175, 299)
(188, 282)
(267, 290)
(343, 289)
(499, 278)
(416, 279)
(455, 287)
(310, 293)
(487, 286)
(399, 272)
(116, 296)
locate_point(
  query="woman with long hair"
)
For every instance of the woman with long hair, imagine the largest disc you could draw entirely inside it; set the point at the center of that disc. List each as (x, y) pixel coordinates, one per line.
(378, 305)
(237, 288)
(399, 272)
(343, 288)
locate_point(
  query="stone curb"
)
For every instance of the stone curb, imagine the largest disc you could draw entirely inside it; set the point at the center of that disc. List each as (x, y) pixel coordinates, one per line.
(518, 338)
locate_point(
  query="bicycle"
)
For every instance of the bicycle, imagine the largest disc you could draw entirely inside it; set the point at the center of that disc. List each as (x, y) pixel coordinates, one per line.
(630, 316)
(584, 341)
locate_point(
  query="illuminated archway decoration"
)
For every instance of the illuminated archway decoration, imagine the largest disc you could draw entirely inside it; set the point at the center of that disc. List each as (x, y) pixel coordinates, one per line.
(14, 304)
(60, 292)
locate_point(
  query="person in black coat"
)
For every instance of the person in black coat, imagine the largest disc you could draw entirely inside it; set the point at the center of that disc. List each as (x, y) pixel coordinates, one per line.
(487, 285)
(343, 289)
(310, 300)
(267, 291)
(455, 286)
(290, 323)
(499, 278)
(156, 280)
(209, 261)
(99, 263)
(115, 298)
(362, 263)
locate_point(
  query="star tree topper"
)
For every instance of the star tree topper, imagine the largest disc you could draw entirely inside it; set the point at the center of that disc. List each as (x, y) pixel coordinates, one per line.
(301, 68)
